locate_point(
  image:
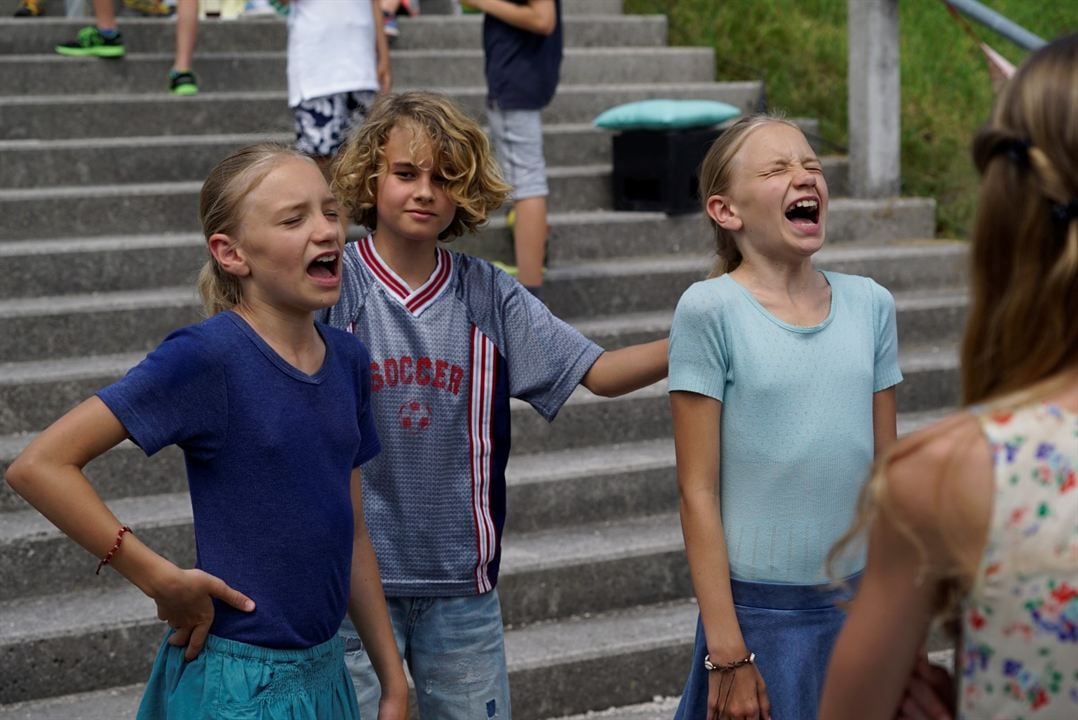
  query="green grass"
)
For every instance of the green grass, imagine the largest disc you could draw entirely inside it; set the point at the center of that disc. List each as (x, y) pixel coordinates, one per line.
(799, 50)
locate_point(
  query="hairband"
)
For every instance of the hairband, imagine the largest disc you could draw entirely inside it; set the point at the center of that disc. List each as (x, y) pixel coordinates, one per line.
(1017, 150)
(1064, 213)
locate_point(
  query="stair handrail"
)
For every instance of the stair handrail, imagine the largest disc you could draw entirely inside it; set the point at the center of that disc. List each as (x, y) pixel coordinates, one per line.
(998, 23)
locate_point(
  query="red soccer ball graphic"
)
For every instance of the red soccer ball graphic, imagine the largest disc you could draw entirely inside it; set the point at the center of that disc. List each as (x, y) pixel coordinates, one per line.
(414, 416)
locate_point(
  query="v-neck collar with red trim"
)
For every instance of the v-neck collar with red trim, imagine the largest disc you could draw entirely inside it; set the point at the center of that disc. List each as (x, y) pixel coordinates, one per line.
(414, 301)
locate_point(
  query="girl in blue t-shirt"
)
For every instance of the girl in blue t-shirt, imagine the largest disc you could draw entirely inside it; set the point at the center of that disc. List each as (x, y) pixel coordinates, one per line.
(782, 389)
(272, 412)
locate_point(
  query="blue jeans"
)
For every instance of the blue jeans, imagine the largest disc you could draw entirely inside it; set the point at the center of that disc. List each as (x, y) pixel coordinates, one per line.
(455, 651)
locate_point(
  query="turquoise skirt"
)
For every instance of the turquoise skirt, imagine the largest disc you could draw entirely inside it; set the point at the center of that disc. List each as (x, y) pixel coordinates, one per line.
(231, 680)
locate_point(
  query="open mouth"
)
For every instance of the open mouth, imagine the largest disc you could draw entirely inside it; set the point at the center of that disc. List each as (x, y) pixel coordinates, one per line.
(804, 212)
(324, 267)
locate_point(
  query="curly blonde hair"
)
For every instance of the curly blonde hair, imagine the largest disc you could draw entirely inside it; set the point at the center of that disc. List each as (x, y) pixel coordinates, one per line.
(462, 155)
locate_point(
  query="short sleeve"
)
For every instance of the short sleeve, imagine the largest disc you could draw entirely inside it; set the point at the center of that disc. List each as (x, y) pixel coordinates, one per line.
(886, 372)
(177, 395)
(546, 357)
(369, 443)
(699, 361)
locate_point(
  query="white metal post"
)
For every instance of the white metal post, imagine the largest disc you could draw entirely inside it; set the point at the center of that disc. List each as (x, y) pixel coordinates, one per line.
(874, 99)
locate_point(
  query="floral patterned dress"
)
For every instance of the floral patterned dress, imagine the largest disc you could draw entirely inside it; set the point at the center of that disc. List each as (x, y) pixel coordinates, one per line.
(1020, 621)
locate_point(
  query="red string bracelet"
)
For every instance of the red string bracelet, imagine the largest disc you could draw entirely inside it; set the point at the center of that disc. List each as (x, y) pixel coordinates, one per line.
(115, 548)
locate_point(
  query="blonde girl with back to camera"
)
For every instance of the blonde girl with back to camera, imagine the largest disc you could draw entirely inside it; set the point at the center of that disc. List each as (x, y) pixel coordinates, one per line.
(975, 518)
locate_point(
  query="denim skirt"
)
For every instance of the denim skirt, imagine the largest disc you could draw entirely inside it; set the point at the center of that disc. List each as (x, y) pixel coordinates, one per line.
(792, 629)
(230, 680)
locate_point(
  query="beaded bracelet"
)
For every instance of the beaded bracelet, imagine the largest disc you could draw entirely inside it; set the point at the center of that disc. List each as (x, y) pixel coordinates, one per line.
(115, 548)
(729, 667)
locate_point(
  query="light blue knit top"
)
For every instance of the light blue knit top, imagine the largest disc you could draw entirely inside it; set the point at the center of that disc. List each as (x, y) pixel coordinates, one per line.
(796, 439)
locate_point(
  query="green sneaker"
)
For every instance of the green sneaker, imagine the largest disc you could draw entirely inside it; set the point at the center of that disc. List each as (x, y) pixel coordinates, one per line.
(182, 83)
(90, 42)
(506, 268)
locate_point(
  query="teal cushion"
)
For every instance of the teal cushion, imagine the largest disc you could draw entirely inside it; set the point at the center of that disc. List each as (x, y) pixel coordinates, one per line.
(666, 115)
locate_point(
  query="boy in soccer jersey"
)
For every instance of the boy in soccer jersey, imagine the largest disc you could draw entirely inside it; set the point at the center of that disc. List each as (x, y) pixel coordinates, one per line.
(451, 340)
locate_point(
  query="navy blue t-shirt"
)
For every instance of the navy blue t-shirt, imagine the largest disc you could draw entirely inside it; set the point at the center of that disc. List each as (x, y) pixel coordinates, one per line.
(522, 67)
(269, 453)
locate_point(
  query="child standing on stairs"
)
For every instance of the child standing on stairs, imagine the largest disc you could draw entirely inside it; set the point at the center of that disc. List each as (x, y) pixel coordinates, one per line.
(974, 519)
(522, 50)
(338, 59)
(452, 339)
(104, 40)
(782, 390)
(272, 411)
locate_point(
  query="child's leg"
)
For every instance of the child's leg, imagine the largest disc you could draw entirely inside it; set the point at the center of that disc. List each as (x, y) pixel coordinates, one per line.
(518, 143)
(186, 33)
(104, 13)
(529, 240)
(457, 659)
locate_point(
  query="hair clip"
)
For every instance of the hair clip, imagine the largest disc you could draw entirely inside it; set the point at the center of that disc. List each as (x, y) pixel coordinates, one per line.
(1064, 213)
(990, 143)
(1017, 150)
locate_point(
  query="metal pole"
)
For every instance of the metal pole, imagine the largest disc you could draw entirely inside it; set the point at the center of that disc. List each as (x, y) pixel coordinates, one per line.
(994, 21)
(874, 106)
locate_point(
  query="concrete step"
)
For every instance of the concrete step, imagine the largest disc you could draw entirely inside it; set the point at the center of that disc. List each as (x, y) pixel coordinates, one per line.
(120, 703)
(91, 116)
(548, 488)
(426, 32)
(34, 394)
(172, 207)
(661, 708)
(545, 574)
(23, 75)
(45, 163)
(70, 326)
(437, 8)
(104, 324)
(569, 666)
(545, 488)
(600, 234)
(122, 472)
(133, 262)
(923, 317)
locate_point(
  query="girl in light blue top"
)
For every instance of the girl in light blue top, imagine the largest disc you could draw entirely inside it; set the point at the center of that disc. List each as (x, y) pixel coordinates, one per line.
(782, 389)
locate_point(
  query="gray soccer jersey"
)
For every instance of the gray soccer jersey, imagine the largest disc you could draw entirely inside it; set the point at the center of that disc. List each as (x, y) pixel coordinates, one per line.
(445, 359)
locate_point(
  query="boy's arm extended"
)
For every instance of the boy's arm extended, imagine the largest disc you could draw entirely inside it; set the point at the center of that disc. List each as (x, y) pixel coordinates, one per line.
(617, 372)
(367, 608)
(537, 16)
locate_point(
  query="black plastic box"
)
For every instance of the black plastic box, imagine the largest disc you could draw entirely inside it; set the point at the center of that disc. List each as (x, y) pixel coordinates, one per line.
(659, 170)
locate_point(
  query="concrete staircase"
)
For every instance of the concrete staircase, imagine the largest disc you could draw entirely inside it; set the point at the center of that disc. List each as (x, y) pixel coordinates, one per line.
(99, 247)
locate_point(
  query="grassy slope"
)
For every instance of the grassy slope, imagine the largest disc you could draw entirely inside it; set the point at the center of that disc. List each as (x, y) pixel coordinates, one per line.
(799, 50)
